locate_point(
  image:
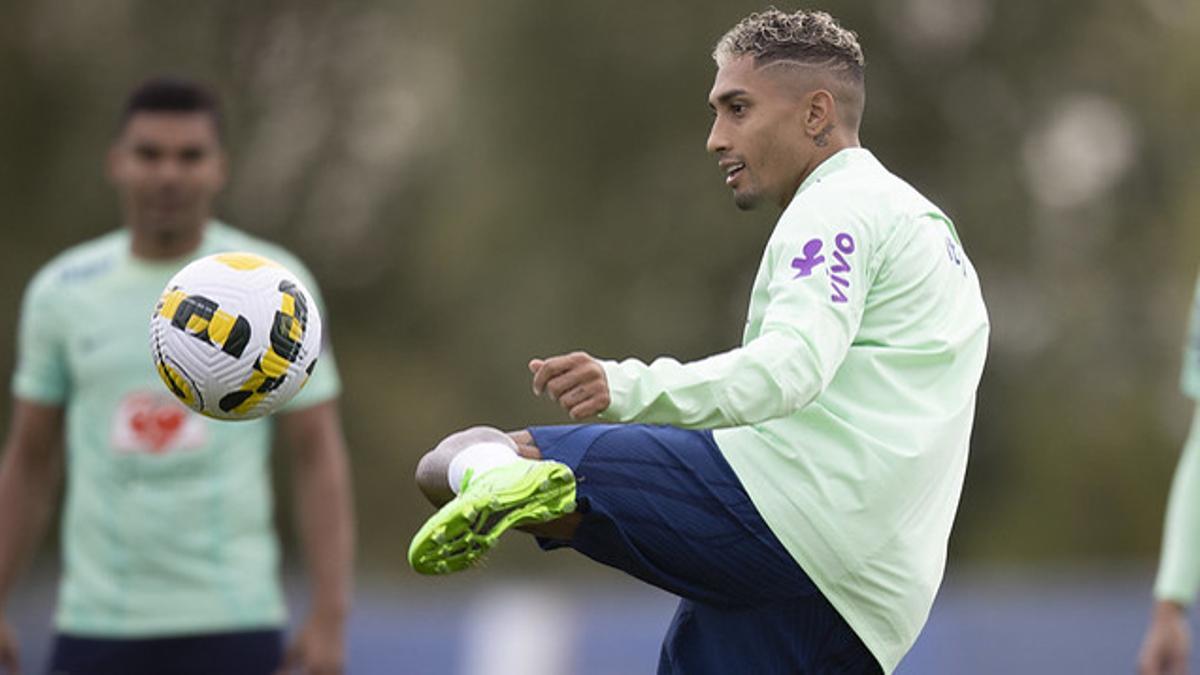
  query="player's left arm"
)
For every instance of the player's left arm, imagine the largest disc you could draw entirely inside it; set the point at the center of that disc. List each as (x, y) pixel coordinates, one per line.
(325, 520)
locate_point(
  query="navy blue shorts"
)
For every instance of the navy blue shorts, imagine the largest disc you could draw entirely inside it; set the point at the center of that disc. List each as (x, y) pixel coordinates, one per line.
(663, 505)
(256, 652)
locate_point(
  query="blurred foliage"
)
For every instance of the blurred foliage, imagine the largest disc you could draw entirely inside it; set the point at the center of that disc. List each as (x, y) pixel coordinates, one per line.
(478, 183)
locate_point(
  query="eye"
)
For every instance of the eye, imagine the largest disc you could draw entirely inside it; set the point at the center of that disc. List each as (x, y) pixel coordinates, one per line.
(191, 155)
(738, 109)
(149, 153)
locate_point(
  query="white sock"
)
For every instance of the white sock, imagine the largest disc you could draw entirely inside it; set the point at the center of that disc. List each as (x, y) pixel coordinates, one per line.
(478, 458)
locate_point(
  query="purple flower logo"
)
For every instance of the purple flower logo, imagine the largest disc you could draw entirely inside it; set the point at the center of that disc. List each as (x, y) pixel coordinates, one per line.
(812, 258)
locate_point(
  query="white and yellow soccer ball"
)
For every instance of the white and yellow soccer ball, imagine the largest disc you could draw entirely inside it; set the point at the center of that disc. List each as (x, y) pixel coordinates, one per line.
(235, 335)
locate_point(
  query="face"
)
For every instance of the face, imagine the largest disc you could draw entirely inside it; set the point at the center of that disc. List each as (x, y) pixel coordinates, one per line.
(168, 168)
(758, 133)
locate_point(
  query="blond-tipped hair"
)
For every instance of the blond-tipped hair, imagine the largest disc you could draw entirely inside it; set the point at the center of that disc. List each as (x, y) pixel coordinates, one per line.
(803, 39)
(810, 38)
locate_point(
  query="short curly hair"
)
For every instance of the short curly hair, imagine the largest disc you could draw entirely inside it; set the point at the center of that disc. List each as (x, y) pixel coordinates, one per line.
(812, 38)
(173, 95)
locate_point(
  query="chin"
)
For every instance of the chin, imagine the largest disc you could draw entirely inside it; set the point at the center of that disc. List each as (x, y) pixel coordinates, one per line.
(746, 202)
(164, 227)
(167, 229)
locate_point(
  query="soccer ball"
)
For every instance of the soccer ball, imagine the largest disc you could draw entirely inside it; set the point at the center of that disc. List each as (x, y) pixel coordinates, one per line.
(235, 335)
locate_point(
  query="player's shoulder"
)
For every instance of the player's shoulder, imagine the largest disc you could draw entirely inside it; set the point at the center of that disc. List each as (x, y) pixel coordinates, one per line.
(861, 191)
(869, 182)
(82, 263)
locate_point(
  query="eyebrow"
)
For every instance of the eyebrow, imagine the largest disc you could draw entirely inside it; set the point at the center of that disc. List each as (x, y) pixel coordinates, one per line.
(729, 95)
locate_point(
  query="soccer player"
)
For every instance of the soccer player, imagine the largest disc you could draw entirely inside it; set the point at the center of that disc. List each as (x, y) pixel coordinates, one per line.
(1167, 645)
(798, 491)
(170, 560)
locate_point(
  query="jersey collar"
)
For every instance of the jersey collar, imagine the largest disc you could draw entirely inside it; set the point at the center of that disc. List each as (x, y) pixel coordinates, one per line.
(842, 159)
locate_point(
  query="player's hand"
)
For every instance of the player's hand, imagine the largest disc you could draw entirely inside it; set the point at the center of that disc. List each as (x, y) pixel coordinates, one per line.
(10, 663)
(576, 381)
(1167, 642)
(319, 649)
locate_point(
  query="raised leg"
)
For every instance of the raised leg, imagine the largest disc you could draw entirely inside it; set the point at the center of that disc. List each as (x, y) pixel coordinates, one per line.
(496, 494)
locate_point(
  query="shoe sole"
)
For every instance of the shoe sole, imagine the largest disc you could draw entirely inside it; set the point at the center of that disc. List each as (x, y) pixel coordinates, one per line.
(461, 533)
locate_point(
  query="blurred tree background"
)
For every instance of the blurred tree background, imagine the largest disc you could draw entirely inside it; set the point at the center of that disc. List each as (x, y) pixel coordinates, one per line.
(478, 183)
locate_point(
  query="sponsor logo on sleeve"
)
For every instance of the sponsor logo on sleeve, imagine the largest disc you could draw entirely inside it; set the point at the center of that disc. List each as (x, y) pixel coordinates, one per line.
(839, 273)
(838, 269)
(811, 260)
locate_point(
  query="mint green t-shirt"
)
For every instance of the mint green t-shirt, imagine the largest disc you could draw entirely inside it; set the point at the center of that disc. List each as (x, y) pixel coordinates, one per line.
(1179, 566)
(167, 525)
(847, 411)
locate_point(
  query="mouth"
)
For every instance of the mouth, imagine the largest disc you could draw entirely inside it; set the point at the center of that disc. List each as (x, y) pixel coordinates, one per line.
(167, 203)
(732, 171)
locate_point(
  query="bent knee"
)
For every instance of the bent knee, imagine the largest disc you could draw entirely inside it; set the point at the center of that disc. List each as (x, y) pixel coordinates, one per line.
(431, 479)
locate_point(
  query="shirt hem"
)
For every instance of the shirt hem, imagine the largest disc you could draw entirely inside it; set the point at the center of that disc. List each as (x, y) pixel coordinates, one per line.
(159, 629)
(809, 561)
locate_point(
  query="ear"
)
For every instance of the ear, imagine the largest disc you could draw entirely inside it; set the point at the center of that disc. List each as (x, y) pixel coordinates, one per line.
(819, 113)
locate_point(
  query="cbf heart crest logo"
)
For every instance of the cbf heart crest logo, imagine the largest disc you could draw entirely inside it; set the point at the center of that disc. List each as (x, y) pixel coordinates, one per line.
(156, 424)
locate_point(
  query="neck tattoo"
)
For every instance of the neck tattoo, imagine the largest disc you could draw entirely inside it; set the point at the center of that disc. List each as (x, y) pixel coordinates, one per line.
(822, 138)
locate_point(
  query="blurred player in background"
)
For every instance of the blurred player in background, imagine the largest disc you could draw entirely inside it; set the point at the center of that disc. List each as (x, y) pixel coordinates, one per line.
(1167, 645)
(170, 558)
(807, 532)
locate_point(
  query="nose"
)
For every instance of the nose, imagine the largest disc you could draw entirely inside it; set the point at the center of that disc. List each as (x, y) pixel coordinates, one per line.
(169, 172)
(717, 142)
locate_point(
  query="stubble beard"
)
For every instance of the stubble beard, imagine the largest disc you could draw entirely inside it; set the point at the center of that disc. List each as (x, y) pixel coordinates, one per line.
(747, 201)
(168, 230)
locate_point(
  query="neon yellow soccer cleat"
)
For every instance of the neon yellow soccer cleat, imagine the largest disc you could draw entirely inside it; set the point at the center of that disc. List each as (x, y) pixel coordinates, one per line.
(467, 527)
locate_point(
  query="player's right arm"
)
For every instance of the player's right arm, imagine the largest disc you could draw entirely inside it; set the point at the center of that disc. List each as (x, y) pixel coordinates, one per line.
(807, 325)
(32, 464)
(1167, 643)
(30, 473)
(1166, 646)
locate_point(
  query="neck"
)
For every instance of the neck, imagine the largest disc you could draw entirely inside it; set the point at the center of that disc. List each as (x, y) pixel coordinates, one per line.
(152, 244)
(818, 158)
